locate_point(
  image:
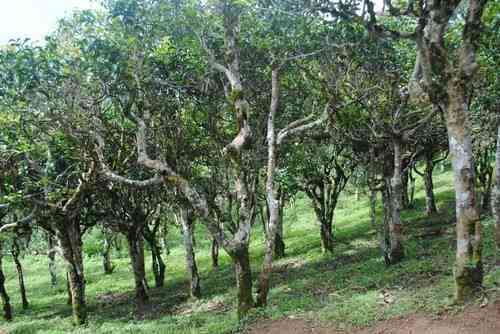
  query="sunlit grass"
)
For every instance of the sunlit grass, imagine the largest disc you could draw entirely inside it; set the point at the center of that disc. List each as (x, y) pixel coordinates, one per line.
(344, 289)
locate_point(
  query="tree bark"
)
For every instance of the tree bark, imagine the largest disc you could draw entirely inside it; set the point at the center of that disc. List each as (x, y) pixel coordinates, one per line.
(412, 188)
(51, 254)
(279, 243)
(7, 309)
(243, 273)
(70, 240)
(326, 233)
(373, 208)
(469, 267)
(187, 223)
(430, 201)
(215, 254)
(396, 252)
(19, 268)
(106, 254)
(384, 230)
(136, 252)
(157, 264)
(405, 199)
(496, 197)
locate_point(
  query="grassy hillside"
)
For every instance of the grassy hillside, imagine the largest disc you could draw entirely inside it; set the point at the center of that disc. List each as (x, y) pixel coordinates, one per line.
(352, 287)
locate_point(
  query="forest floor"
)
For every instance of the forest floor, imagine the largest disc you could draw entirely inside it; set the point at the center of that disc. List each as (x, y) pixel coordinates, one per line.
(349, 291)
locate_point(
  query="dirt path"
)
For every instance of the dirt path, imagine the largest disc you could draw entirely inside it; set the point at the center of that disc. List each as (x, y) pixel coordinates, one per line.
(473, 320)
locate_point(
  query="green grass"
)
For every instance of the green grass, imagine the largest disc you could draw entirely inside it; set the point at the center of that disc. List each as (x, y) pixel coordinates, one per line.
(344, 289)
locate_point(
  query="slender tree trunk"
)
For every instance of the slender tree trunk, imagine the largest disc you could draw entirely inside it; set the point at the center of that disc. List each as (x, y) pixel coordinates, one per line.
(215, 254)
(373, 208)
(136, 252)
(243, 272)
(396, 253)
(70, 240)
(19, 268)
(69, 301)
(279, 243)
(384, 231)
(405, 199)
(187, 223)
(7, 309)
(430, 201)
(469, 267)
(158, 265)
(412, 188)
(51, 254)
(106, 254)
(496, 196)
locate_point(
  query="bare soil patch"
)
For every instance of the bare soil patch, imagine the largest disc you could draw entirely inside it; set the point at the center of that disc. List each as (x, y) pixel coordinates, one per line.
(473, 320)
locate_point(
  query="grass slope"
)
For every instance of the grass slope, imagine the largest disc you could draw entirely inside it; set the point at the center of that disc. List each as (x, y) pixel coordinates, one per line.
(352, 287)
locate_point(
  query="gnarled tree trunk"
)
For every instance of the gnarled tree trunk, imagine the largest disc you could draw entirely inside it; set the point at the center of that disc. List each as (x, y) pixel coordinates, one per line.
(187, 223)
(15, 251)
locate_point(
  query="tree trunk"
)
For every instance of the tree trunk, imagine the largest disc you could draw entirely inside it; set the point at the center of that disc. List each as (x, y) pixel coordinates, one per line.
(7, 309)
(51, 254)
(469, 268)
(136, 252)
(326, 232)
(243, 273)
(412, 188)
(384, 230)
(396, 252)
(70, 240)
(157, 263)
(19, 268)
(215, 254)
(430, 201)
(279, 243)
(373, 208)
(106, 254)
(496, 196)
(69, 301)
(187, 224)
(405, 199)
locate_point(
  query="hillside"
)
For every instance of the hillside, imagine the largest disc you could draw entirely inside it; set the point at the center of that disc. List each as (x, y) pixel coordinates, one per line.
(352, 288)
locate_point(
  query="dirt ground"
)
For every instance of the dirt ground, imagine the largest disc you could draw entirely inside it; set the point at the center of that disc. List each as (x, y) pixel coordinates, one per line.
(474, 320)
